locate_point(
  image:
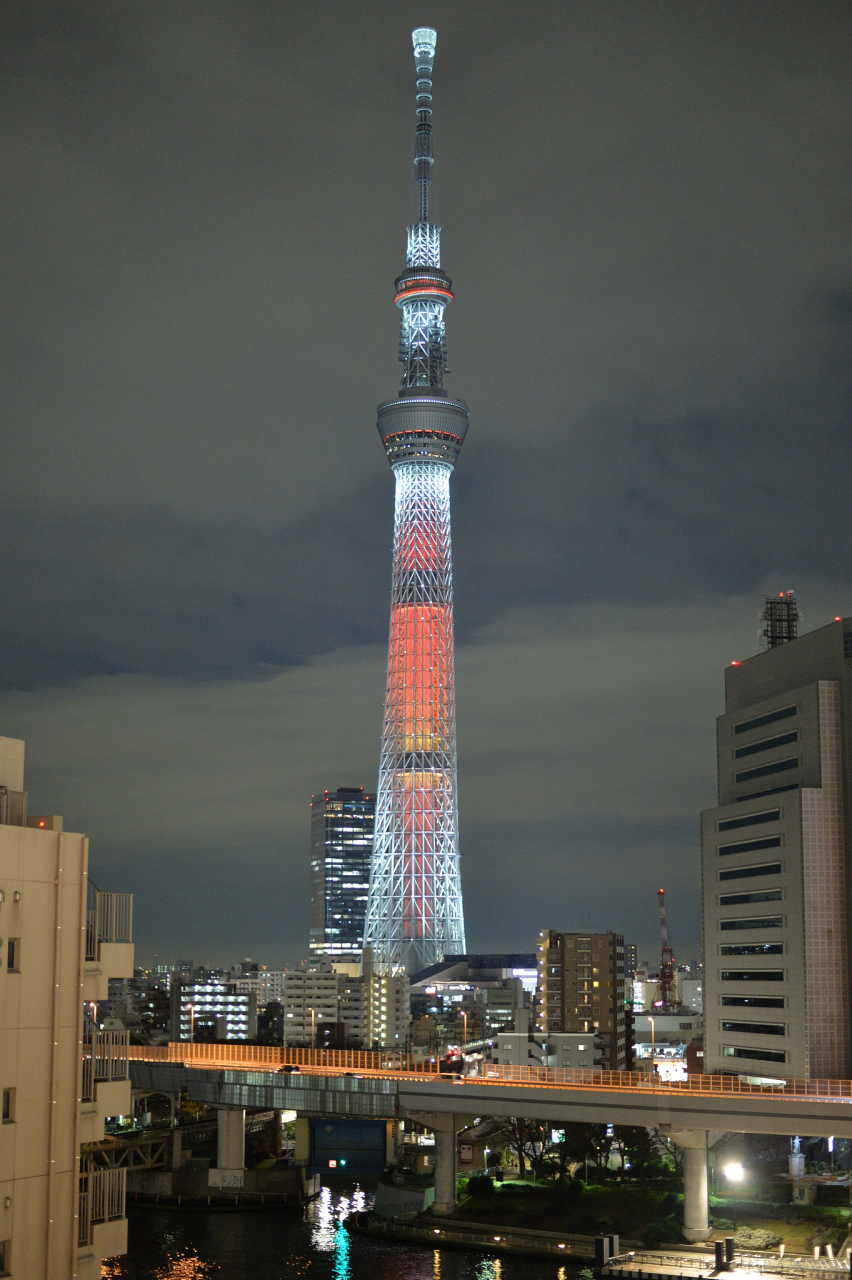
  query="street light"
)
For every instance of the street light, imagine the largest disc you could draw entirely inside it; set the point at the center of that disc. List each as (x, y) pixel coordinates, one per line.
(191, 1023)
(735, 1173)
(313, 1014)
(464, 1041)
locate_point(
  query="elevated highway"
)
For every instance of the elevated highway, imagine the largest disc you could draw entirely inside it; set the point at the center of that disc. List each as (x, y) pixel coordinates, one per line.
(392, 1086)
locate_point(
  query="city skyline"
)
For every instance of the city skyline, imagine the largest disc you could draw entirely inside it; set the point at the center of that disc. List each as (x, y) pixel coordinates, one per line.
(653, 329)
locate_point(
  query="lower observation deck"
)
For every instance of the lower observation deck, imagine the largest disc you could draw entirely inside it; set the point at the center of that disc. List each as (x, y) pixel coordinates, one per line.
(423, 425)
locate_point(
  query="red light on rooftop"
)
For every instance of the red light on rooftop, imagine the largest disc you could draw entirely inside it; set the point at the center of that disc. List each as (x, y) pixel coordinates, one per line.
(837, 619)
(42, 823)
(735, 664)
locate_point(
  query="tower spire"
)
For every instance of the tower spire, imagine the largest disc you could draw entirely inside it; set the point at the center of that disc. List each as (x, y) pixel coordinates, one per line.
(414, 909)
(424, 40)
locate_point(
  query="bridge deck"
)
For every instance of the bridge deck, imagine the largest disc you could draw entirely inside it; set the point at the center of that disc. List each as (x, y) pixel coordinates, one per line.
(342, 1084)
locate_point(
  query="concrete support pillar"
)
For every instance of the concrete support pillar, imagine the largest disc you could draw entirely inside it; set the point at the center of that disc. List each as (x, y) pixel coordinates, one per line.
(696, 1202)
(696, 1222)
(231, 1133)
(444, 1128)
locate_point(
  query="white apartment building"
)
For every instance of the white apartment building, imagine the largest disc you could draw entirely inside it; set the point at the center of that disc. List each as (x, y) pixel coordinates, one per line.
(61, 1204)
(199, 1009)
(775, 854)
(310, 995)
(265, 985)
(561, 1049)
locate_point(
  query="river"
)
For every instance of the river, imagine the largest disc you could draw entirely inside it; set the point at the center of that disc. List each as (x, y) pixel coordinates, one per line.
(170, 1244)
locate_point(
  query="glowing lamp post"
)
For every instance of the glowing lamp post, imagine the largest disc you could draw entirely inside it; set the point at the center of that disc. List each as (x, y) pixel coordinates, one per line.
(735, 1173)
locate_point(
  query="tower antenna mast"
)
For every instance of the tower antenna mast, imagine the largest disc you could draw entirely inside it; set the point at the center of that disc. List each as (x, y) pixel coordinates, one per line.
(667, 963)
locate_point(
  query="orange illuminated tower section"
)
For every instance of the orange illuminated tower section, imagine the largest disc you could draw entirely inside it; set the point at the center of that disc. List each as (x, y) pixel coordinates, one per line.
(414, 912)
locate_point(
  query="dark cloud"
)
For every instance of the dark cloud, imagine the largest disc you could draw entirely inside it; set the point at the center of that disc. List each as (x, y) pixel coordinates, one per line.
(645, 213)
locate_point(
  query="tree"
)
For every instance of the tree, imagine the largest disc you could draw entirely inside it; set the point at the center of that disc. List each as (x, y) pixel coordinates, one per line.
(523, 1137)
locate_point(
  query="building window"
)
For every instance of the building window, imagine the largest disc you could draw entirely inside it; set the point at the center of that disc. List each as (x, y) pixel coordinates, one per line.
(5, 1257)
(753, 1002)
(769, 791)
(8, 1106)
(752, 975)
(766, 744)
(771, 716)
(756, 1028)
(744, 873)
(762, 895)
(749, 846)
(758, 1055)
(754, 949)
(13, 955)
(780, 766)
(753, 922)
(750, 820)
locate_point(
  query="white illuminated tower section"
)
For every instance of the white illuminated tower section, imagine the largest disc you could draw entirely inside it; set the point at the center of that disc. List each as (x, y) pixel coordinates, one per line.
(414, 912)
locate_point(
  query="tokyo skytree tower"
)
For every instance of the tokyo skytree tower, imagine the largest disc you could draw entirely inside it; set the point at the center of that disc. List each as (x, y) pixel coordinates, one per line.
(414, 912)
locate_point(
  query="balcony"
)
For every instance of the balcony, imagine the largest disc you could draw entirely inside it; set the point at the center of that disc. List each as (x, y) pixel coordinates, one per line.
(109, 918)
(109, 940)
(102, 1225)
(105, 1085)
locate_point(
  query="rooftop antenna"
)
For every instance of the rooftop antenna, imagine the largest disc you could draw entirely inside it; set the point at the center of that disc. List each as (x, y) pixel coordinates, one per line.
(780, 618)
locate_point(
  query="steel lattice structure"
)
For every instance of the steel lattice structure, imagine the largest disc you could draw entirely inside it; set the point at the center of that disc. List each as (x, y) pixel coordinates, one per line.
(414, 912)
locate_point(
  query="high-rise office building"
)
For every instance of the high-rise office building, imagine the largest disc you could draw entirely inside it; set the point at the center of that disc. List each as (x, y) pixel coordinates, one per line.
(581, 988)
(61, 1074)
(775, 856)
(415, 916)
(341, 848)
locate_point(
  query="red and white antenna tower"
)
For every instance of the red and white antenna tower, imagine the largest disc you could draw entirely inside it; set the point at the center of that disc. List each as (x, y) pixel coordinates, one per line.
(667, 963)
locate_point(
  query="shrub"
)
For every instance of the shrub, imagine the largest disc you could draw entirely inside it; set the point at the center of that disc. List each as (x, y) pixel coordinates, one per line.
(586, 1274)
(746, 1238)
(830, 1235)
(480, 1186)
(657, 1233)
(721, 1224)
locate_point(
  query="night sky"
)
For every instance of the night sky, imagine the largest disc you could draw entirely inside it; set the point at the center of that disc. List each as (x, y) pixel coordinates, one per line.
(646, 215)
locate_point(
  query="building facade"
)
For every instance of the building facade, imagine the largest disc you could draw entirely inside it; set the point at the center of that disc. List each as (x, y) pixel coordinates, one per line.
(414, 913)
(342, 825)
(581, 989)
(775, 858)
(62, 1205)
(214, 1010)
(310, 996)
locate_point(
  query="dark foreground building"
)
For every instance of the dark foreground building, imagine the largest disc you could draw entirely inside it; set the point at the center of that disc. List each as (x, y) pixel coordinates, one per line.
(775, 855)
(341, 847)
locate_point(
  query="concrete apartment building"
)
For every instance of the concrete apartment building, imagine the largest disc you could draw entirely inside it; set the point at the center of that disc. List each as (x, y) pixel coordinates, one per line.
(581, 989)
(212, 1010)
(61, 1204)
(775, 853)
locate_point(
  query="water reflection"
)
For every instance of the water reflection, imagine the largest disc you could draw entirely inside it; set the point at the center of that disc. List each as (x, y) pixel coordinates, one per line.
(309, 1244)
(491, 1269)
(185, 1265)
(328, 1234)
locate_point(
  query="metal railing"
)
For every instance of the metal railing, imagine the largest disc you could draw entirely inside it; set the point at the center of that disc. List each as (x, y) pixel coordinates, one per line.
(267, 1057)
(102, 1199)
(261, 1057)
(109, 918)
(105, 1056)
(626, 1265)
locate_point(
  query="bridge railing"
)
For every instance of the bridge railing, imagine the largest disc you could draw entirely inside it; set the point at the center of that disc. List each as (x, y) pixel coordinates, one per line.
(270, 1058)
(638, 1080)
(266, 1058)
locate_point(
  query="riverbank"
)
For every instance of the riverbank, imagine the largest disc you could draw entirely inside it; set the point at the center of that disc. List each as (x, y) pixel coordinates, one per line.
(454, 1233)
